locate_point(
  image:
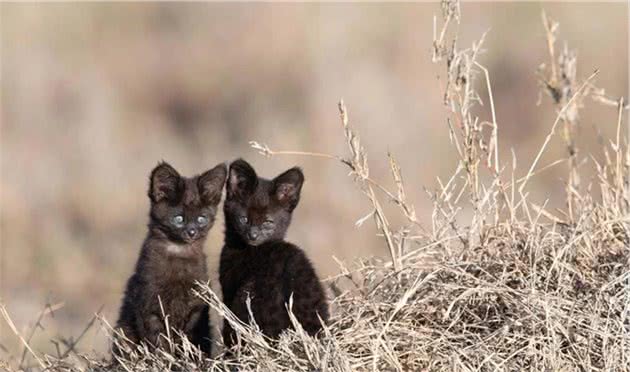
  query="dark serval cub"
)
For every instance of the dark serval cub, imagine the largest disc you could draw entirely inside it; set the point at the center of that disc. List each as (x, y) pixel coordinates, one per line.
(172, 258)
(257, 262)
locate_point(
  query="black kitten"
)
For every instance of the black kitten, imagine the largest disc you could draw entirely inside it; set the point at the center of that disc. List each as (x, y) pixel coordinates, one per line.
(257, 262)
(172, 258)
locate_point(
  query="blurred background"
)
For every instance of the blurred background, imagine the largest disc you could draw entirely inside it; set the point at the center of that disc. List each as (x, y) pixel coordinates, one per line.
(94, 95)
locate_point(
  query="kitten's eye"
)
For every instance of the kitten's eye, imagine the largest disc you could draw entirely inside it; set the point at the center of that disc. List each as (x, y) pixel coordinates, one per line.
(178, 220)
(202, 220)
(243, 220)
(267, 224)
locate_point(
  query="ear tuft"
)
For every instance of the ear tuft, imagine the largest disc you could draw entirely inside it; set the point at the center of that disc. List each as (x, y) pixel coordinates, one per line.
(211, 183)
(165, 183)
(287, 187)
(242, 179)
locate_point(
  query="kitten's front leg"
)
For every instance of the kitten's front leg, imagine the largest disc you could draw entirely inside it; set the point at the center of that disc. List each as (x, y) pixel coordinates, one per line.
(191, 323)
(309, 298)
(229, 335)
(197, 328)
(154, 327)
(238, 305)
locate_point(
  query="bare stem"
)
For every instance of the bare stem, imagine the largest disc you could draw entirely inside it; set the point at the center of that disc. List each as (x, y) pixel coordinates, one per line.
(553, 131)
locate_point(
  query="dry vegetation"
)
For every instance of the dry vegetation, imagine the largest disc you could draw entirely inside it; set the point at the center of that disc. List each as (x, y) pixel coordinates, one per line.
(513, 287)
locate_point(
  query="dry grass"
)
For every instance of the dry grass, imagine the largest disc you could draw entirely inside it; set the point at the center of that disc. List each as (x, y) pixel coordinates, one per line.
(513, 287)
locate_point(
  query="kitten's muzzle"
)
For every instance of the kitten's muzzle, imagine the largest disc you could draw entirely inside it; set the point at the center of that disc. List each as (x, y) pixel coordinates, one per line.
(191, 233)
(252, 235)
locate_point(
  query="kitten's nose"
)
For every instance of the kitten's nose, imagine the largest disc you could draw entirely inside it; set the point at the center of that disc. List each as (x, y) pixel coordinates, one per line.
(191, 233)
(252, 235)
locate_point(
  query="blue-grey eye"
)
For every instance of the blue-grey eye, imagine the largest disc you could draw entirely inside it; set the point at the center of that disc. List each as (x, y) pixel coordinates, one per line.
(202, 220)
(267, 224)
(242, 220)
(178, 220)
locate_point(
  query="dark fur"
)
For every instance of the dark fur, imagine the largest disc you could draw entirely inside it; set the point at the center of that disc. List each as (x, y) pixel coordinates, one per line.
(172, 258)
(255, 259)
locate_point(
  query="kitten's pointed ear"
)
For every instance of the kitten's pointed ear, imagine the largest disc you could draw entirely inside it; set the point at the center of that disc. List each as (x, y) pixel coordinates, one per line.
(287, 187)
(211, 184)
(242, 179)
(165, 183)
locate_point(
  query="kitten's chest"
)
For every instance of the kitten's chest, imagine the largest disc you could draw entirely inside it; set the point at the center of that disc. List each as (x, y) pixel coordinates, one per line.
(177, 272)
(174, 277)
(175, 283)
(253, 265)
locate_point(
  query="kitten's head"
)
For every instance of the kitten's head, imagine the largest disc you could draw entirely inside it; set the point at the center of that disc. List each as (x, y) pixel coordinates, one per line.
(184, 208)
(259, 210)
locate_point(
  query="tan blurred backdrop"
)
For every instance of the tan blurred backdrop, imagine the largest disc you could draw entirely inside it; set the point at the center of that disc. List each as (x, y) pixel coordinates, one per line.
(94, 95)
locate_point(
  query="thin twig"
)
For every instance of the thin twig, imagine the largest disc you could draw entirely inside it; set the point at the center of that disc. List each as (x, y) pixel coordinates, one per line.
(7, 318)
(553, 131)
